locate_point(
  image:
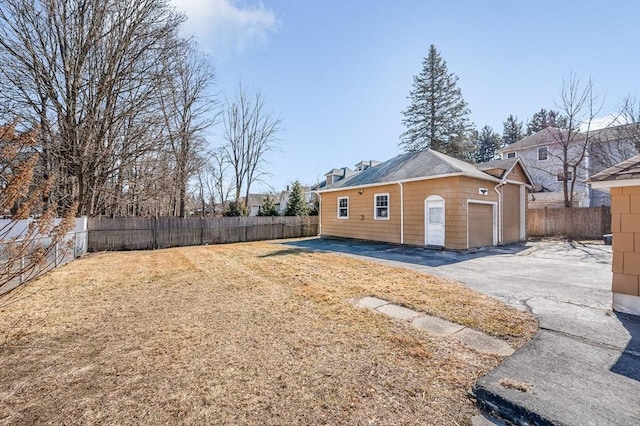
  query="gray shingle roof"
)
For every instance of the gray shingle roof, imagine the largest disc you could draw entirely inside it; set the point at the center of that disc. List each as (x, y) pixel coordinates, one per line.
(551, 135)
(628, 169)
(505, 164)
(543, 137)
(413, 165)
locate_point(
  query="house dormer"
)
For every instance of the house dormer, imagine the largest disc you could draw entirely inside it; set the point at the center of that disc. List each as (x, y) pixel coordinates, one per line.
(363, 165)
(335, 175)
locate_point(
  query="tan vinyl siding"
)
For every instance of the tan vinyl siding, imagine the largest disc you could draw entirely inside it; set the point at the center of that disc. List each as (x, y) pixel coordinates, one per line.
(455, 191)
(361, 223)
(511, 213)
(517, 174)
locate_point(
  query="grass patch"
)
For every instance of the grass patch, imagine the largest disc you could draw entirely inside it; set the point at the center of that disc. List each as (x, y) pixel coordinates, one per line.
(239, 334)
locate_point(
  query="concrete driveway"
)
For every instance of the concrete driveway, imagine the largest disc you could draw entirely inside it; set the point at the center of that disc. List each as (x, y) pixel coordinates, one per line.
(584, 364)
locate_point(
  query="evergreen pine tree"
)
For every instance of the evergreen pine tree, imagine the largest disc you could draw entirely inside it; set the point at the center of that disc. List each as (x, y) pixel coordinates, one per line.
(235, 209)
(512, 130)
(296, 206)
(268, 207)
(487, 146)
(543, 119)
(437, 117)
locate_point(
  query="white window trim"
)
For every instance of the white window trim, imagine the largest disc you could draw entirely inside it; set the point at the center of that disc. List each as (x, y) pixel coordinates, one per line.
(375, 206)
(538, 153)
(338, 212)
(559, 176)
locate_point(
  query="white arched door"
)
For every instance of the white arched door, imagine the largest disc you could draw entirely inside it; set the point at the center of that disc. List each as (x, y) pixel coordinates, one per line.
(434, 221)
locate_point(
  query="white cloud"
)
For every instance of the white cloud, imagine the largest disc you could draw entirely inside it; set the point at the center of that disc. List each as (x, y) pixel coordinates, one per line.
(227, 26)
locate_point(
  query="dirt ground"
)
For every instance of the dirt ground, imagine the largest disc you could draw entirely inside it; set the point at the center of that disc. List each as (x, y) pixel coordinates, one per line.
(239, 334)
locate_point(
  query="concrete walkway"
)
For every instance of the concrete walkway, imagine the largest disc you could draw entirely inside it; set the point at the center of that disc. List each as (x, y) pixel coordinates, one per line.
(477, 340)
(583, 366)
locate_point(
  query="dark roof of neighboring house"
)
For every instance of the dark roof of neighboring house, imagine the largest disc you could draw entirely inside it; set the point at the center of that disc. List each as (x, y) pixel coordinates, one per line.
(614, 133)
(542, 137)
(552, 135)
(410, 166)
(257, 199)
(628, 169)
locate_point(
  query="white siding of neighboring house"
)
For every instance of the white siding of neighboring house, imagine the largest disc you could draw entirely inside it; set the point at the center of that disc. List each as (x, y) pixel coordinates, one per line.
(545, 172)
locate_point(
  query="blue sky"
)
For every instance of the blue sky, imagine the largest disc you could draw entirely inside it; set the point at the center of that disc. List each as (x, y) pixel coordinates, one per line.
(338, 72)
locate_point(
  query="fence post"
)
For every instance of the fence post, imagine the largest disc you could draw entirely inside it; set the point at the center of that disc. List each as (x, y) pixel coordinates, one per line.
(154, 232)
(546, 229)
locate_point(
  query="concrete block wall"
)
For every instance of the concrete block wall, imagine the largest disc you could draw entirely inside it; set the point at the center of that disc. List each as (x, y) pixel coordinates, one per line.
(625, 226)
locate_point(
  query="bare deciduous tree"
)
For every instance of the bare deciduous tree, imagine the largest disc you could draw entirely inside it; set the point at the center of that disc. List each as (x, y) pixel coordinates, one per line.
(92, 74)
(620, 140)
(188, 109)
(250, 132)
(578, 105)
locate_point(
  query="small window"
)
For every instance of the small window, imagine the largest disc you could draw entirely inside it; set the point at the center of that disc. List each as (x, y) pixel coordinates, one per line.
(511, 154)
(382, 206)
(560, 178)
(543, 153)
(343, 207)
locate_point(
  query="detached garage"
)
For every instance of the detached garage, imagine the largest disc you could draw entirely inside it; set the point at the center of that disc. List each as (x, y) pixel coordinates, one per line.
(428, 199)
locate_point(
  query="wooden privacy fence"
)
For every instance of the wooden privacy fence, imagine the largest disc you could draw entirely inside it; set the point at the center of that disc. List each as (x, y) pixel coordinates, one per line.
(143, 233)
(573, 222)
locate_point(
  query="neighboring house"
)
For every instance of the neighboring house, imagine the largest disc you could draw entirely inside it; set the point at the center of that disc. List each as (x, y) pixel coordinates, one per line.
(429, 199)
(541, 153)
(255, 202)
(281, 199)
(623, 182)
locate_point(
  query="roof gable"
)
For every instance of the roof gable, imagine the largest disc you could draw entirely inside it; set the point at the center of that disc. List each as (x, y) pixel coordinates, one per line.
(508, 168)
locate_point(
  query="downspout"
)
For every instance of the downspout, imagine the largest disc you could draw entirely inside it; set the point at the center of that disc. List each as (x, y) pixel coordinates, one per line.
(401, 213)
(319, 213)
(495, 188)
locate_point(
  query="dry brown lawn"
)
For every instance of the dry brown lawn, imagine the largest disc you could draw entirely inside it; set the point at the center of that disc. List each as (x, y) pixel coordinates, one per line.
(239, 334)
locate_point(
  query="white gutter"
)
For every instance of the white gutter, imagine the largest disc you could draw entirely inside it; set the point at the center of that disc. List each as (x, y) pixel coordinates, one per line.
(500, 214)
(401, 212)
(608, 184)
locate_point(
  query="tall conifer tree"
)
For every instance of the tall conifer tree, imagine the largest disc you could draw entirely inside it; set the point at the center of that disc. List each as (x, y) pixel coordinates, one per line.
(296, 206)
(487, 146)
(437, 117)
(512, 130)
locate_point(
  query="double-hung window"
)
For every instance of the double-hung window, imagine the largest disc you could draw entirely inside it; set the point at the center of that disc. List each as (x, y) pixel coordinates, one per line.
(343, 207)
(543, 153)
(560, 176)
(381, 206)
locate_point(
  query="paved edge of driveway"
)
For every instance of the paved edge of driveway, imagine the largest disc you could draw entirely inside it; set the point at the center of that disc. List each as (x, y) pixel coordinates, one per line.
(477, 340)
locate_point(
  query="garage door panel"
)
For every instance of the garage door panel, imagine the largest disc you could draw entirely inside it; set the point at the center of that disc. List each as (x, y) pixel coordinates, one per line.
(480, 226)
